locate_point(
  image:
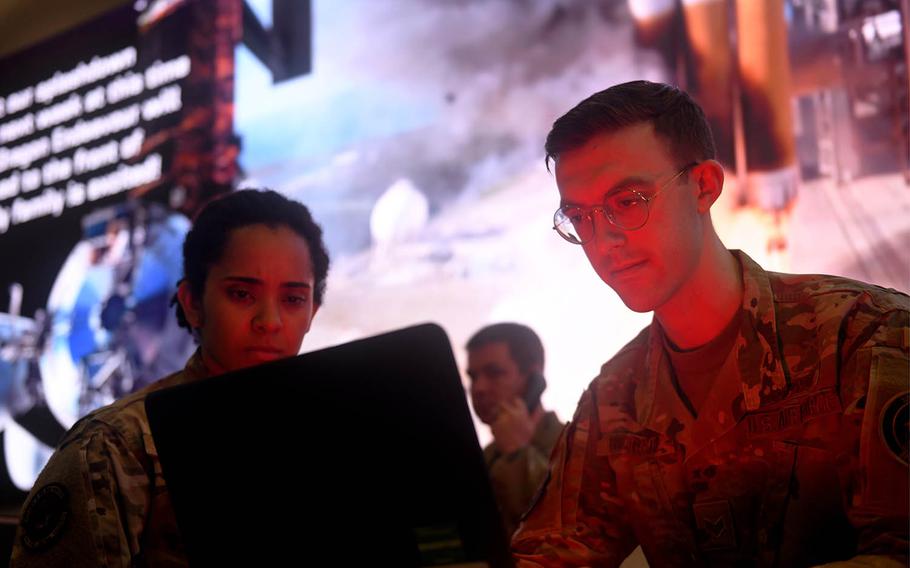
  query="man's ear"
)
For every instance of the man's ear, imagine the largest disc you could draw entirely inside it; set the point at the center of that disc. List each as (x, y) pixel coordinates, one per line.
(708, 176)
(192, 308)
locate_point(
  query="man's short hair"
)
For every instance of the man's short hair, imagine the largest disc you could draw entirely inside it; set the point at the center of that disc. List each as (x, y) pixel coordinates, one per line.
(524, 345)
(675, 116)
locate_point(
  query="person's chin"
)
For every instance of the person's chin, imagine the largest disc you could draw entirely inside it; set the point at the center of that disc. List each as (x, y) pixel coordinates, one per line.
(633, 289)
(259, 356)
(484, 417)
(638, 299)
(638, 305)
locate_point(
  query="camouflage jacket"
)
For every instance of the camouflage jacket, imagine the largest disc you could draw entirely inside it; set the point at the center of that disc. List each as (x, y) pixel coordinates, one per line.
(101, 501)
(516, 477)
(797, 457)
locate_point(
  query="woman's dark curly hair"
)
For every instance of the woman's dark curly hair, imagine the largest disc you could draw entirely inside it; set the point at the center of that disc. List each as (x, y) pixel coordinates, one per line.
(205, 243)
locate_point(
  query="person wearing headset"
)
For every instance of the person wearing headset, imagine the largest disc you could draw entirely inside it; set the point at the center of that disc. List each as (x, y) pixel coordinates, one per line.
(505, 367)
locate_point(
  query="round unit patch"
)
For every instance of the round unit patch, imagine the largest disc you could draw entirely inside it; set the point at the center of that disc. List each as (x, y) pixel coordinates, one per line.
(45, 516)
(896, 426)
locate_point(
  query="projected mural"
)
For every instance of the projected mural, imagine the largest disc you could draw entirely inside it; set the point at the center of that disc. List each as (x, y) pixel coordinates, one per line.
(413, 129)
(106, 138)
(417, 140)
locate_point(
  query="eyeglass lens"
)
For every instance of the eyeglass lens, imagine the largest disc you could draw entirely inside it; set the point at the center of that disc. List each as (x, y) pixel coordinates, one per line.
(625, 209)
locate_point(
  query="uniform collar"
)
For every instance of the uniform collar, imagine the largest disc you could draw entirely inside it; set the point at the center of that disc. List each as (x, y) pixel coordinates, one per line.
(195, 368)
(192, 371)
(756, 350)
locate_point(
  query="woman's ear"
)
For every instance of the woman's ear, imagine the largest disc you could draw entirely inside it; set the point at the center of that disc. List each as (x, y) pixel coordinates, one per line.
(708, 175)
(192, 308)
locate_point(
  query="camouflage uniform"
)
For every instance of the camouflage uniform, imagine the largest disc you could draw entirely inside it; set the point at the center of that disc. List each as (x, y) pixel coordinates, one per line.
(101, 500)
(797, 457)
(516, 477)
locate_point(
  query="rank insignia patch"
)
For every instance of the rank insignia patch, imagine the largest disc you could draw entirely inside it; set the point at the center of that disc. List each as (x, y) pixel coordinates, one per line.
(895, 428)
(45, 516)
(714, 521)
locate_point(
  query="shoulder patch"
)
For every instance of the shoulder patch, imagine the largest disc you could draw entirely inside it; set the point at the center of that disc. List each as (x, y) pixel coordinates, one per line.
(895, 427)
(45, 516)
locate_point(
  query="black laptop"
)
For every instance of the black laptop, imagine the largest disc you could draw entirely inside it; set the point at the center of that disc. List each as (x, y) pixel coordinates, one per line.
(357, 455)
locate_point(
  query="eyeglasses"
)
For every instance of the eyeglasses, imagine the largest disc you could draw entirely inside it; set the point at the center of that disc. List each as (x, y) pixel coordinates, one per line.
(626, 209)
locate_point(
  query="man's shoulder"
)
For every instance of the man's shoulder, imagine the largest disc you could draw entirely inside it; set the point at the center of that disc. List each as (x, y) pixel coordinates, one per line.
(628, 361)
(547, 432)
(832, 292)
(619, 376)
(841, 310)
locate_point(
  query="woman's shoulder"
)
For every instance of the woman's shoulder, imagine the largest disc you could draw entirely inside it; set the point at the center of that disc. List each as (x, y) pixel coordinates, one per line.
(125, 418)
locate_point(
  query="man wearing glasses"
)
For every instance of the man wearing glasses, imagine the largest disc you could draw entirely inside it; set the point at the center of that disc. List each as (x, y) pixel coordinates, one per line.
(761, 419)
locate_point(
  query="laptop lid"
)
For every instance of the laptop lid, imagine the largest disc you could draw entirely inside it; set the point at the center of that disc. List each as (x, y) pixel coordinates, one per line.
(364, 453)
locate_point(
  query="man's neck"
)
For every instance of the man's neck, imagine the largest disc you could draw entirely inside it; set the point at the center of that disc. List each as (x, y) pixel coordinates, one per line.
(706, 303)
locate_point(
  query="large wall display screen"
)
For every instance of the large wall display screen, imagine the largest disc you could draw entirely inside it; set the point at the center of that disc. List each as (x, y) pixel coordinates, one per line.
(91, 224)
(414, 131)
